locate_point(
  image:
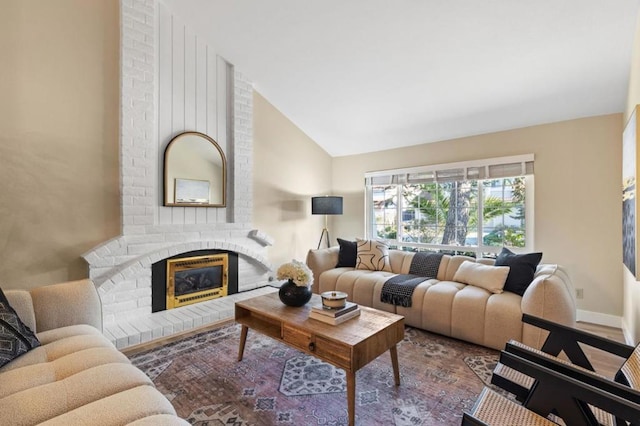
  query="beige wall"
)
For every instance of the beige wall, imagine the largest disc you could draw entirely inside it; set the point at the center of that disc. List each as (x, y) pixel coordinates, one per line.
(59, 163)
(577, 194)
(633, 96)
(58, 136)
(288, 169)
(631, 315)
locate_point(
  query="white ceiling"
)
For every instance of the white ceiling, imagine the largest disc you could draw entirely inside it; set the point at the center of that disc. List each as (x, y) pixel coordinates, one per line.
(366, 75)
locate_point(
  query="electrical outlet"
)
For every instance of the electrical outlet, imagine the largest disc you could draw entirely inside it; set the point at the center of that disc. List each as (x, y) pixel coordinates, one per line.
(579, 293)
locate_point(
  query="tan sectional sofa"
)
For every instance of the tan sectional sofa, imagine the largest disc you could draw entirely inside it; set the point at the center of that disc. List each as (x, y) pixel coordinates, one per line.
(451, 308)
(76, 376)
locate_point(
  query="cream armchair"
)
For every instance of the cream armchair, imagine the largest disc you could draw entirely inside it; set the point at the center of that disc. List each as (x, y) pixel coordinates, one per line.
(76, 376)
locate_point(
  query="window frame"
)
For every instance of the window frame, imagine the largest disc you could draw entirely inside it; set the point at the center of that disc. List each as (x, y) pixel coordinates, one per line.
(395, 178)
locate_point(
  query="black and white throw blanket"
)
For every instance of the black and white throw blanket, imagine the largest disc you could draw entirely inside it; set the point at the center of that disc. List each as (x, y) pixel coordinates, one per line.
(399, 288)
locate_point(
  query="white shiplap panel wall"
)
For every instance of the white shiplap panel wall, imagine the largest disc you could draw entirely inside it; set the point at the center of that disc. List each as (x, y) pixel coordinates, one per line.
(189, 98)
(201, 86)
(200, 103)
(192, 95)
(189, 79)
(165, 101)
(223, 75)
(211, 125)
(176, 79)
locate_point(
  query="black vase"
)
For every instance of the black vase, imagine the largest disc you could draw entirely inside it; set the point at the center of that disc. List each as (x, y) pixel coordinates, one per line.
(294, 295)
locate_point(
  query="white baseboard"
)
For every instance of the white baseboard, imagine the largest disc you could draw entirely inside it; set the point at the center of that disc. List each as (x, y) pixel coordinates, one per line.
(627, 335)
(599, 318)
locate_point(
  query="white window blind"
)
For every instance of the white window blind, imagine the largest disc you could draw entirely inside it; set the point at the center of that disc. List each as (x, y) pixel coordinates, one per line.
(492, 168)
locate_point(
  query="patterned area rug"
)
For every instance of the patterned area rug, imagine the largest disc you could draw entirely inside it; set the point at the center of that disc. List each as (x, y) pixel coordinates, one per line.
(277, 385)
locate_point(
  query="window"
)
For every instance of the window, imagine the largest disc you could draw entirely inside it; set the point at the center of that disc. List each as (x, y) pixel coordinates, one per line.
(474, 208)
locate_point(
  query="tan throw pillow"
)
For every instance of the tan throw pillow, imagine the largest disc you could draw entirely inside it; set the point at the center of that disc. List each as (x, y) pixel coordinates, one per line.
(491, 278)
(373, 255)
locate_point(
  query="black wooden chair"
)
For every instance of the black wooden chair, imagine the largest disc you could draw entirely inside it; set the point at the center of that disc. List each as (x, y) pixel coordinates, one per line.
(573, 400)
(566, 340)
(625, 384)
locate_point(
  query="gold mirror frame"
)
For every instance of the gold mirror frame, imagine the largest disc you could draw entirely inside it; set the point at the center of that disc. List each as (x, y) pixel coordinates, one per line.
(195, 172)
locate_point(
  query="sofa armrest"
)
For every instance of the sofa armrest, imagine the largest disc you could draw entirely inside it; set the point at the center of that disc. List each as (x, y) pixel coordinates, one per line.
(549, 296)
(64, 304)
(321, 260)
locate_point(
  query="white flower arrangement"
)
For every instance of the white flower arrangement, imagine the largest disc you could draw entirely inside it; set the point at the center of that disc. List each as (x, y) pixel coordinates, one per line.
(297, 272)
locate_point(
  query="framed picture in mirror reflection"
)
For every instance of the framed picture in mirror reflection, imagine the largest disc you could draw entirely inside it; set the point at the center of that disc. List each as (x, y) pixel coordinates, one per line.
(192, 191)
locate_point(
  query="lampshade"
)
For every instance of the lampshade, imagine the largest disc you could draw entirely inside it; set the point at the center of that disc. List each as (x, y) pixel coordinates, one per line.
(326, 205)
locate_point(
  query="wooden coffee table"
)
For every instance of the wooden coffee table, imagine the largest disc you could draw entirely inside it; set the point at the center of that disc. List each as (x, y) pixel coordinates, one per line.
(350, 345)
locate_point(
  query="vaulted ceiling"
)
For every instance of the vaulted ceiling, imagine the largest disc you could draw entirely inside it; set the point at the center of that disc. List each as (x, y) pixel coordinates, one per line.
(366, 75)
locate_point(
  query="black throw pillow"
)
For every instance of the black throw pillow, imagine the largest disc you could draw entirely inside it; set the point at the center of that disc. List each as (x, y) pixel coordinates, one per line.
(522, 268)
(15, 336)
(348, 254)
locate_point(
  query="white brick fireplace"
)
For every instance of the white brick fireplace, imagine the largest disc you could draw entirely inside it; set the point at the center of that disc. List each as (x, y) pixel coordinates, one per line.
(172, 81)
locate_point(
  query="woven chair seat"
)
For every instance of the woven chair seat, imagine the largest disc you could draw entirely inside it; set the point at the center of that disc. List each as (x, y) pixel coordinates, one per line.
(513, 375)
(603, 418)
(496, 410)
(631, 370)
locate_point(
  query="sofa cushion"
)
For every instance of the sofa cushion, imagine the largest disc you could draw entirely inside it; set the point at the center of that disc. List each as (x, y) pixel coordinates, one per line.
(59, 348)
(453, 265)
(15, 337)
(53, 399)
(373, 255)
(491, 278)
(118, 409)
(19, 379)
(348, 254)
(160, 420)
(522, 268)
(51, 336)
(68, 303)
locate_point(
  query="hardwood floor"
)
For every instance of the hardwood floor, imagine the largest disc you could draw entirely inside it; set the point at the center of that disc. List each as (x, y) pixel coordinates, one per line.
(604, 363)
(136, 349)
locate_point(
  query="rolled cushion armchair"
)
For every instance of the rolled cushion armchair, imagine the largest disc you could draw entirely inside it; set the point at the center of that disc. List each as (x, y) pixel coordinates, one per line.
(74, 375)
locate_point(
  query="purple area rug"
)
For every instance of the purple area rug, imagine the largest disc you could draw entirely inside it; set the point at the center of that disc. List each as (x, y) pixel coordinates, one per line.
(277, 385)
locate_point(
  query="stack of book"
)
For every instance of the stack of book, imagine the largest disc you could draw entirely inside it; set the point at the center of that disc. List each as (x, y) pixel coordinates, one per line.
(334, 316)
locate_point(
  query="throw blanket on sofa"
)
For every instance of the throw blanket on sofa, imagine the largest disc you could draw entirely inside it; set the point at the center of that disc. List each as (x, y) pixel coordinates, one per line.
(425, 264)
(399, 288)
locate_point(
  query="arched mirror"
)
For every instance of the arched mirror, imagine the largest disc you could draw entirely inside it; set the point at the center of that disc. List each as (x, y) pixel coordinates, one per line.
(195, 172)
